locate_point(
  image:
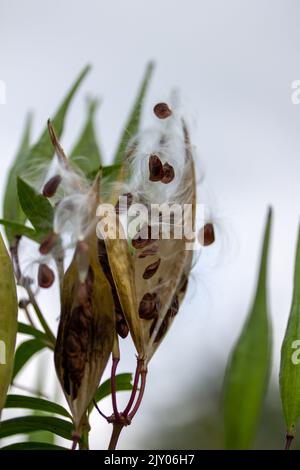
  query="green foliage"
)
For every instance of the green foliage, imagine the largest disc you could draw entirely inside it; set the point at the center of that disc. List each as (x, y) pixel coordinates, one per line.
(33, 403)
(27, 424)
(33, 446)
(290, 356)
(25, 352)
(248, 369)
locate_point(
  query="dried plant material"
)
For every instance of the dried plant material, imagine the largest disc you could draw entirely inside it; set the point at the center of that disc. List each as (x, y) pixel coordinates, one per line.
(46, 276)
(168, 173)
(85, 336)
(156, 171)
(51, 186)
(162, 110)
(151, 269)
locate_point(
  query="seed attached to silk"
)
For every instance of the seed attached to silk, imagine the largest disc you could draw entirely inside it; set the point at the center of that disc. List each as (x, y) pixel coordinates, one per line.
(48, 243)
(122, 328)
(51, 186)
(45, 276)
(169, 173)
(151, 251)
(148, 306)
(156, 171)
(207, 235)
(162, 330)
(173, 310)
(162, 111)
(151, 269)
(138, 242)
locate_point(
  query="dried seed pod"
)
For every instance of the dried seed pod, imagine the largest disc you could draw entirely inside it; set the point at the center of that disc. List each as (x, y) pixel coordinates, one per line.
(162, 330)
(138, 242)
(48, 243)
(151, 269)
(8, 321)
(156, 171)
(162, 110)
(51, 186)
(45, 276)
(148, 306)
(169, 173)
(207, 235)
(85, 335)
(173, 310)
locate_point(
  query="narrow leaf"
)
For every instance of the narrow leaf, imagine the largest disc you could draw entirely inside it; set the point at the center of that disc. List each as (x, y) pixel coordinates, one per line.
(20, 229)
(28, 424)
(30, 330)
(42, 151)
(33, 446)
(123, 383)
(133, 122)
(248, 369)
(86, 153)
(36, 207)
(25, 352)
(33, 403)
(8, 321)
(290, 357)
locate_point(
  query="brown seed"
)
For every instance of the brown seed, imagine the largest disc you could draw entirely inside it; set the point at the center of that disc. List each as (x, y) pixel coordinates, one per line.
(51, 186)
(45, 276)
(173, 308)
(169, 173)
(162, 330)
(48, 243)
(207, 235)
(148, 306)
(138, 242)
(151, 269)
(162, 110)
(122, 328)
(152, 250)
(155, 168)
(129, 197)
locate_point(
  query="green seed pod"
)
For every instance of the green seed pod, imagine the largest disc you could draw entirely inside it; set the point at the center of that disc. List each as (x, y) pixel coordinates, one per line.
(8, 321)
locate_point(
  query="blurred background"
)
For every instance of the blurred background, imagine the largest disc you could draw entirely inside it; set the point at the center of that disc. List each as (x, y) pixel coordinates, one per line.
(234, 63)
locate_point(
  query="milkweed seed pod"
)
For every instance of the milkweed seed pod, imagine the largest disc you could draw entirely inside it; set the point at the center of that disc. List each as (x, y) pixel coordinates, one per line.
(151, 274)
(86, 329)
(8, 321)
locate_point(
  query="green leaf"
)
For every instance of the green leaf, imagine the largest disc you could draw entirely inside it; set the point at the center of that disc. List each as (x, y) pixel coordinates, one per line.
(8, 321)
(36, 207)
(290, 356)
(30, 330)
(247, 373)
(11, 207)
(27, 424)
(33, 403)
(20, 229)
(86, 153)
(42, 151)
(33, 446)
(133, 122)
(24, 352)
(123, 383)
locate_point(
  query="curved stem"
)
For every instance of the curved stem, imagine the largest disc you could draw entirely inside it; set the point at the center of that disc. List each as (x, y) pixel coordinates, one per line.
(141, 394)
(117, 428)
(115, 362)
(99, 411)
(40, 316)
(134, 388)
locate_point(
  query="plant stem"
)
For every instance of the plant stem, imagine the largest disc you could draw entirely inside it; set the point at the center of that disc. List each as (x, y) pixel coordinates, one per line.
(288, 441)
(40, 316)
(141, 394)
(134, 388)
(115, 362)
(117, 428)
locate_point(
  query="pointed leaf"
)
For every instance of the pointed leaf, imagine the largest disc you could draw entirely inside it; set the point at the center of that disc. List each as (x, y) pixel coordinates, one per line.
(42, 151)
(8, 321)
(132, 125)
(25, 352)
(86, 153)
(33, 403)
(290, 356)
(30, 330)
(123, 383)
(248, 370)
(33, 446)
(27, 424)
(36, 207)
(20, 229)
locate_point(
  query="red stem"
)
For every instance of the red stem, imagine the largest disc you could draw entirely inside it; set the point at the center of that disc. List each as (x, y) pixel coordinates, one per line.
(75, 441)
(99, 411)
(141, 394)
(134, 388)
(288, 441)
(114, 388)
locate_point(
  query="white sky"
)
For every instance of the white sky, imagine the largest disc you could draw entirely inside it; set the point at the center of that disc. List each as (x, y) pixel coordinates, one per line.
(234, 63)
